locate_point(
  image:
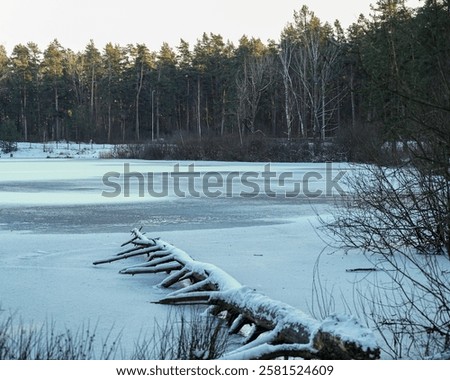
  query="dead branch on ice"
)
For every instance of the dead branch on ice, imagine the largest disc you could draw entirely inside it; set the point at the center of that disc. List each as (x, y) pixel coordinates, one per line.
(278, 330)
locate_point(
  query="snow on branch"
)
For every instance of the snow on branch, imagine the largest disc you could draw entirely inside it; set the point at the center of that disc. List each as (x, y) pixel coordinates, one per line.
(277, 329)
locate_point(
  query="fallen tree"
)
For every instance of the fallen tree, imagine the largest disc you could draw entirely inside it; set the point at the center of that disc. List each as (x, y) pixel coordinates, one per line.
(277, 329)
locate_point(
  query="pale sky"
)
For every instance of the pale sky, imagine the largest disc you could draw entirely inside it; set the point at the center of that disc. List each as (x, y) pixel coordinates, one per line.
(75, 22)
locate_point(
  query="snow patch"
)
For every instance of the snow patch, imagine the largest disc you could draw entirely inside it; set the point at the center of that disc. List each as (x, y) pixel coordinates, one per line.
(349, 329)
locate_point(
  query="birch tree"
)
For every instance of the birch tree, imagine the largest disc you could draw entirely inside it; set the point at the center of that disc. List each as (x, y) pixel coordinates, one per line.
(286, 52)
(315, 63)
(253, 78)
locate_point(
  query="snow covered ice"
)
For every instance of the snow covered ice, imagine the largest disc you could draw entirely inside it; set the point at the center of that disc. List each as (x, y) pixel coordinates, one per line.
(55, 223)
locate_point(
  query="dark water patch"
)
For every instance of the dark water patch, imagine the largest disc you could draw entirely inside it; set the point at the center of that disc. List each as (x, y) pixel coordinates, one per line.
(177, 214)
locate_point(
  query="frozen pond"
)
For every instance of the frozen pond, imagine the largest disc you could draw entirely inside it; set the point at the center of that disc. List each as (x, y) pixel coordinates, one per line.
(55, 196)
(54, 222)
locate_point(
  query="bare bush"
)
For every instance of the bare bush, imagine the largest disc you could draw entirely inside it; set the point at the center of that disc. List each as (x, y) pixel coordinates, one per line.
(21, 342)
(185, 335)
(229, 148)
(399, 217)
(391, 209)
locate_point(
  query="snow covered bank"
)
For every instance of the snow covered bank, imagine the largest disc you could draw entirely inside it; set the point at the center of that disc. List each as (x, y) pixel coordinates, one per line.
(62, 149)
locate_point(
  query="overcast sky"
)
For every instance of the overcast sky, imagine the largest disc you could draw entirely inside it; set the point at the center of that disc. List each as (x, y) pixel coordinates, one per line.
(75, 22)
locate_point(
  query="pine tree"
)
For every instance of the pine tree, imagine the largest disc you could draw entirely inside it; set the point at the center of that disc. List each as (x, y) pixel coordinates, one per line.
(53, 71)
(92, 65)
(113, 61)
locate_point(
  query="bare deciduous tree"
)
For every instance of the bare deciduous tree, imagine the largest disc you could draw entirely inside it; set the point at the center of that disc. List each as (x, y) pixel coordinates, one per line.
(251, 83)
(399, 218)
(285, 54)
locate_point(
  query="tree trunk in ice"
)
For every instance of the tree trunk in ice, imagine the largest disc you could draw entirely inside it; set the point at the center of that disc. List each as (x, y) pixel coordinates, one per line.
(278, 329)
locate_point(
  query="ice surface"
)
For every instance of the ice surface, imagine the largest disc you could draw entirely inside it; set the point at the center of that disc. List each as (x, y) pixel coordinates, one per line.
(54, 223)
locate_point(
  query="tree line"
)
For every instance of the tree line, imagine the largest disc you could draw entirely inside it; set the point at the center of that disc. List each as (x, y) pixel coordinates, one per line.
(383, 81)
